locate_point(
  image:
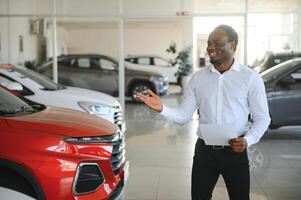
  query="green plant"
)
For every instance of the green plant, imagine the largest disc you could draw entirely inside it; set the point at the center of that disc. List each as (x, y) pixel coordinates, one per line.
(182, 59)
(185, 67)
(172, 48)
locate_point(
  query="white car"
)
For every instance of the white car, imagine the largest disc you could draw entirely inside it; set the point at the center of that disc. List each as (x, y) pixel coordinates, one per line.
(40, 89)
(153, 63)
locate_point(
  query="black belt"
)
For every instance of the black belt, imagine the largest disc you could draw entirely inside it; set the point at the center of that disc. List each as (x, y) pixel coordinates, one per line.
(215, 147)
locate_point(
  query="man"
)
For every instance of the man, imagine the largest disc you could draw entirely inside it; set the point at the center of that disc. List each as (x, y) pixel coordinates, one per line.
(226, 92)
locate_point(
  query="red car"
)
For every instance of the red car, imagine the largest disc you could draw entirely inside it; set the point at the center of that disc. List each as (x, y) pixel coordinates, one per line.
(55, 153)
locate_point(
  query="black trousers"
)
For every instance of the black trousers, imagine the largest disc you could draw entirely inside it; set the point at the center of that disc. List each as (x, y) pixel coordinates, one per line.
(209, 163)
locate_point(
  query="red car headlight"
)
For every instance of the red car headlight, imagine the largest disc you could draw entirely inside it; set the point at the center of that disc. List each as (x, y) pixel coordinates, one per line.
(95, 139)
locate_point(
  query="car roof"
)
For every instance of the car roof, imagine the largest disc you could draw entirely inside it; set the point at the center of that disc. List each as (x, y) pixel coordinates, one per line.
(285, 65)
(78, 56)
(143, 55)
(285, 53)
(82, 54)
(296, 59)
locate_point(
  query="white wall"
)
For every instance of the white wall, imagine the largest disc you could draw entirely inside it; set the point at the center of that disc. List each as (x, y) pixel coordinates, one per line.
(146, 7)
(83, 39)
(30, 7)
(62, 38)
(18, 26)
(3, 7)
(153, 37)
(148, 37)
(111, 7)
(3, 40)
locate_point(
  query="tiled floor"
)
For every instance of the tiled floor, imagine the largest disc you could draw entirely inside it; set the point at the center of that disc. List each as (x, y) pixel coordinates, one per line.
(161, 157)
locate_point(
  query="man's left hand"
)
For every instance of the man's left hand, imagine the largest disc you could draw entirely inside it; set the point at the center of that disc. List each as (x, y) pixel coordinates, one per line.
(238, 144)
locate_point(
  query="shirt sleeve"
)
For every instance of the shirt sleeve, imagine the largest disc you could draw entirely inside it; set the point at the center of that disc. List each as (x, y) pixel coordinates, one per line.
(258, 109)
(184, 112)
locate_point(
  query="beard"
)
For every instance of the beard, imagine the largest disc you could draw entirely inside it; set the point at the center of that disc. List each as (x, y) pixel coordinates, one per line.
(215, 61)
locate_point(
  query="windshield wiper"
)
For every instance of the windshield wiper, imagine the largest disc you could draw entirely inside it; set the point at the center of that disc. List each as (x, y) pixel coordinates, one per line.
(22, 109)
(25, 108)
(7, 112)
(59, 87)
(50, 89)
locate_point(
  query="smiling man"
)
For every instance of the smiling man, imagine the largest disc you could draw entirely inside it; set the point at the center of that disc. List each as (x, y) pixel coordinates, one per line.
(226, 93)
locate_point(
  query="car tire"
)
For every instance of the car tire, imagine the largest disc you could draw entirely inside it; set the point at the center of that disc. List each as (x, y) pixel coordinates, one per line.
(139, 87)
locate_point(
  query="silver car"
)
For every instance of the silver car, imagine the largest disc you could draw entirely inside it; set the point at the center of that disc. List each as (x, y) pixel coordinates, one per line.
(100, 72)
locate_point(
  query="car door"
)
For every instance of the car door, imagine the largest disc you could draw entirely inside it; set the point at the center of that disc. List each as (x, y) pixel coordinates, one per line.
(166, 69)
(157, 65)
(78, 73)
(144, 64)
(108, 76)
(66, 71)
(287, 99)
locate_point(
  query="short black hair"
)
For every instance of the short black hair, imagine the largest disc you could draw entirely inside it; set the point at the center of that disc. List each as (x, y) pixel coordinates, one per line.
(231, 33)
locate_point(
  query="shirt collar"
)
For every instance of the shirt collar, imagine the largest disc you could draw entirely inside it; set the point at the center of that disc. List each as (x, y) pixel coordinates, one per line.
(235, 67)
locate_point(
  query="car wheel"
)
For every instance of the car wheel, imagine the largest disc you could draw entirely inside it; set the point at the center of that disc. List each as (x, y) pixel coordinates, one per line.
(139, 88)
(256, 158)
(12, 180)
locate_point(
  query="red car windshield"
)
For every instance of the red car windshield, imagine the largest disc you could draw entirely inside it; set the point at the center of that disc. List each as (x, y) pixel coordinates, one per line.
(12, 105)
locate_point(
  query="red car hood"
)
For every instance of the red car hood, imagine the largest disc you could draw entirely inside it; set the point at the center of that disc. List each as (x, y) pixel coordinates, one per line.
(64, 122)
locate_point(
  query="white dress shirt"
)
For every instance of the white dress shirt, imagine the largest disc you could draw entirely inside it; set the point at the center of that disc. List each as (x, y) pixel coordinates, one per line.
(226, 98)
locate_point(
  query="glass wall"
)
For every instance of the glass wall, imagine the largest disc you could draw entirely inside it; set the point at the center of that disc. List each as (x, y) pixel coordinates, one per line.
(34, 18)
(3, 39)
(22, 30)
(154, 7)
(28, 7)
(91, 26)
(26, 27)
(273, 6)
(154, 33)
(87, 7)
(87, 35)
(219, 7)
(271, 32)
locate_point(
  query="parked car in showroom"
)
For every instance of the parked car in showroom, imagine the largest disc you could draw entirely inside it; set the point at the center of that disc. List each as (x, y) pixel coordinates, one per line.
(283, 88)
(153, 63)
(57, 153)
(100, 72)
(271, 59)
(40, 89)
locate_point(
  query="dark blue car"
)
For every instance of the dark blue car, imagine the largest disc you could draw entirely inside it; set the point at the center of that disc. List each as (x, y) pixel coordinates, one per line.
(283, 88)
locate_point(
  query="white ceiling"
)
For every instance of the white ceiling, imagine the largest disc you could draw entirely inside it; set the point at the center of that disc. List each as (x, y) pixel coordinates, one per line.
(144, 7)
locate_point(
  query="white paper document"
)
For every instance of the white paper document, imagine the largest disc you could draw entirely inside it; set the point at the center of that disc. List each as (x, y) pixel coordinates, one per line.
(217, 134)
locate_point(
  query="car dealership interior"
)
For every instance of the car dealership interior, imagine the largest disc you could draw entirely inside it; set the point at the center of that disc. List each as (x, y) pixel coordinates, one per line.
(72, 124)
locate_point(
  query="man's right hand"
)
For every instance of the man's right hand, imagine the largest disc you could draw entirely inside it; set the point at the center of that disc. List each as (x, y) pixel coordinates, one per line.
(153, 101)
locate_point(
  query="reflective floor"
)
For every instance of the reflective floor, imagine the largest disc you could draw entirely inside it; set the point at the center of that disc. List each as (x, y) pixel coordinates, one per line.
(161, 158)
